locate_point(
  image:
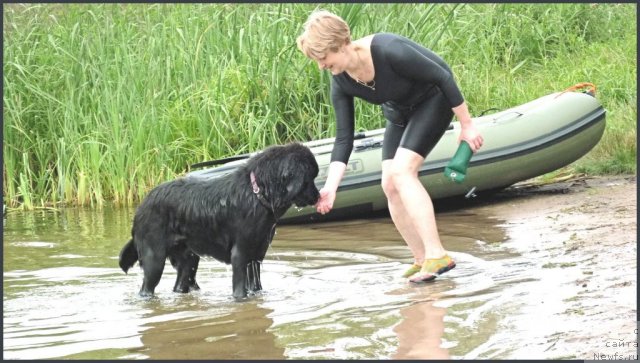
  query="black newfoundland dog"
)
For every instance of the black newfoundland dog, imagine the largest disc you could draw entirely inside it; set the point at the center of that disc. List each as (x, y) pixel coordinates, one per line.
(231, 218)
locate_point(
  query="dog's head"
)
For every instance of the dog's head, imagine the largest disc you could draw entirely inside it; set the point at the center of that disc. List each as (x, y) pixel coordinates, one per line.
(288, 174)
(298, 173)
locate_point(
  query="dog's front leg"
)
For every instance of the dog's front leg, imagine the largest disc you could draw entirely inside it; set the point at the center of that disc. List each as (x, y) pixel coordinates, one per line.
(256, 276)
(239, 264)
(253, 276)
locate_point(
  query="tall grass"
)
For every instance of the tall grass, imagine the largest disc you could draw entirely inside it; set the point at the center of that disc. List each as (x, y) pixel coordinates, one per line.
(104, 101)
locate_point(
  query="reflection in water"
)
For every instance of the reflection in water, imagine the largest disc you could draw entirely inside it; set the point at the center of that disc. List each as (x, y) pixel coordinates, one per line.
(241, 332)
(420, 332)
(332, 291)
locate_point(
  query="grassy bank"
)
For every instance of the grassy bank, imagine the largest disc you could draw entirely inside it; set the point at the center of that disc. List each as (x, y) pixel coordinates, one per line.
(104, 101)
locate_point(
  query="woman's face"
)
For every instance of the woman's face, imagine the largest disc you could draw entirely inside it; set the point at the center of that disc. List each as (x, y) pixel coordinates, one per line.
(335, 62)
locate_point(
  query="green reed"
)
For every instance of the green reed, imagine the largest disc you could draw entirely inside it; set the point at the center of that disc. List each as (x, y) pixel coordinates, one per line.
(104, 101)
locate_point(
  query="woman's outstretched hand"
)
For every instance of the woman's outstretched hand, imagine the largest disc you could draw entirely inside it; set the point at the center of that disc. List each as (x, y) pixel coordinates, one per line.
(325, 203)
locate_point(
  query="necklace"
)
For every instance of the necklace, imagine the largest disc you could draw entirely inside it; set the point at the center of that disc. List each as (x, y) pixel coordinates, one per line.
(371, 85)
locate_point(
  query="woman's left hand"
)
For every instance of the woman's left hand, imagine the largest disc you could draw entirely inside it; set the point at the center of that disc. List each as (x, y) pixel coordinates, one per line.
(469, 132)
(472, 136)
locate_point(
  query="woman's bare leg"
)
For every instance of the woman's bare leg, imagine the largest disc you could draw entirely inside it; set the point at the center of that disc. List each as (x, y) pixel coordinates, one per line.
(410, 206)
(399, 215)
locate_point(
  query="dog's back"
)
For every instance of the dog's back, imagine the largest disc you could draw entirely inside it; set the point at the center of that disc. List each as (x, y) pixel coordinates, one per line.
(185, 209)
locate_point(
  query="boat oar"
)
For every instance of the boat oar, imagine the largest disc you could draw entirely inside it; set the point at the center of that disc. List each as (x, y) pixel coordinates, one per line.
(357, 136)
(221, 161)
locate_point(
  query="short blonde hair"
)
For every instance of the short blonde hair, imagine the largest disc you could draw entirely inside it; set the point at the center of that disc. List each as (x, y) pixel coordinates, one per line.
(324, 31)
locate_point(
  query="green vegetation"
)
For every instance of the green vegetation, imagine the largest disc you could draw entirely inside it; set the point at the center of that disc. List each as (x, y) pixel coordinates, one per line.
(104, 101)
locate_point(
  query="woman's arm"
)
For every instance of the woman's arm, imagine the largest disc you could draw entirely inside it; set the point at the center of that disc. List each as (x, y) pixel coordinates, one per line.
(342, 147)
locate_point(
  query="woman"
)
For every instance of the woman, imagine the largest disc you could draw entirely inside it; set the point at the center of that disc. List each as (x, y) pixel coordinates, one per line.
(419, 97)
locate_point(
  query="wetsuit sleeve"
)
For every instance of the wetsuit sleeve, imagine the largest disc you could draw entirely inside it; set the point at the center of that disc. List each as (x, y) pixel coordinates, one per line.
(410, 63)
(343, 107)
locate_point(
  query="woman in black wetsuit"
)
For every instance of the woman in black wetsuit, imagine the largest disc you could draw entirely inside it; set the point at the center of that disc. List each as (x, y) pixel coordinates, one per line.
(419, 97)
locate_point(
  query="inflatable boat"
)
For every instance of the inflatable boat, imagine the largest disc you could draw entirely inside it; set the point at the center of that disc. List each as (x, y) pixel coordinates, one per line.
(520, 143)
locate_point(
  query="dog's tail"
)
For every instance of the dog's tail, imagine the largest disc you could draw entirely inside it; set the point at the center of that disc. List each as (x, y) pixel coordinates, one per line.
(128, 256)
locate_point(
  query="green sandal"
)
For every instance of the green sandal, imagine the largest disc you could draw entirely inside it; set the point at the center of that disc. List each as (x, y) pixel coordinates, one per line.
(433, 268)
(415, 268)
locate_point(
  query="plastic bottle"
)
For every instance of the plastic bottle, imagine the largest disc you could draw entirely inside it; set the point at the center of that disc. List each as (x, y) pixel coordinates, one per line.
(456, 170)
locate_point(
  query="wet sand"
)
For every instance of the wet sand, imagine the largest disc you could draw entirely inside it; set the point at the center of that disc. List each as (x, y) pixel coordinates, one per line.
(585, 229)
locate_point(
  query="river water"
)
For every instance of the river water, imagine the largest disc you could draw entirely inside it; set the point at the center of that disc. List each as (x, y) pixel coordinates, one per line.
(331, 291)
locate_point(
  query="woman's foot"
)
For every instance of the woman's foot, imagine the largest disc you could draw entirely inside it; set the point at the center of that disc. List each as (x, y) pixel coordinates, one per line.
(415, 268)
(432, 268)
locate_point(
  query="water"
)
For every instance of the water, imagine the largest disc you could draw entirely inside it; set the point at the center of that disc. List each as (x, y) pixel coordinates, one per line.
(332, 291)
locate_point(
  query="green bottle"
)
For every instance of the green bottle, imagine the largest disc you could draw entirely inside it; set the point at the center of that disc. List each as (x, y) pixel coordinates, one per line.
(456, 170)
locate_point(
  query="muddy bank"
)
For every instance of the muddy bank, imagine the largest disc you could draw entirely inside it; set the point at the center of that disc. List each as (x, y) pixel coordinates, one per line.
(582, 232)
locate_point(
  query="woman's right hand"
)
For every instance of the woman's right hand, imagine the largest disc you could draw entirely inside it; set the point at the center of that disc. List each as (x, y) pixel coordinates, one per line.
(325, 202)
(328, 192)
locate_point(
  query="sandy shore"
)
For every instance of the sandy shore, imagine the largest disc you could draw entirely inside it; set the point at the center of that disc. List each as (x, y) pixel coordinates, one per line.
(588, 233)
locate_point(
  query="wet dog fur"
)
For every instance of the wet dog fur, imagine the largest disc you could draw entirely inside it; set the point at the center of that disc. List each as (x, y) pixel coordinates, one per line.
(223, 218)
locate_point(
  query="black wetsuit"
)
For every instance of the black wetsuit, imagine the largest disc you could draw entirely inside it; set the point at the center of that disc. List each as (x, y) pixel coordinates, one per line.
(415, 80)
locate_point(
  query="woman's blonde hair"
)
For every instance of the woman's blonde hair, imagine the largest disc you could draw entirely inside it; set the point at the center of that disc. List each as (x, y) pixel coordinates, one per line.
(324, 31)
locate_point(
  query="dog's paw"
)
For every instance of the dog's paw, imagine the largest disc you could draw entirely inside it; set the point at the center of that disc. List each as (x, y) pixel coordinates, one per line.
(241, 298)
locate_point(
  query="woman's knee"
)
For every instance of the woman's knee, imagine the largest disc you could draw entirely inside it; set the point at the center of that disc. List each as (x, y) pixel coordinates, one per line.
(400, 175)
(388, 185)
(395, 179)
(404, 168)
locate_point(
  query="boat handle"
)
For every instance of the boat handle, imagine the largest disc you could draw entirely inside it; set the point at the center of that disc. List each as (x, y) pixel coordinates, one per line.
(518, 114)
(368, 144)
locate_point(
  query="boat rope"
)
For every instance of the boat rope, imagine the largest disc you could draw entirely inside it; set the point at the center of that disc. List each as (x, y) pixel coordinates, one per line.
(591, 90)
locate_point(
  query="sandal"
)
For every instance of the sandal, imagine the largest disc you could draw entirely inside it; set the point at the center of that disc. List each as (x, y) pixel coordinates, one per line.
(433, 268)
(415, 268)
